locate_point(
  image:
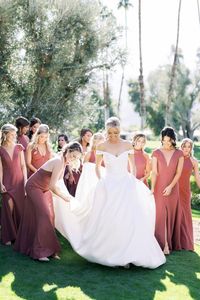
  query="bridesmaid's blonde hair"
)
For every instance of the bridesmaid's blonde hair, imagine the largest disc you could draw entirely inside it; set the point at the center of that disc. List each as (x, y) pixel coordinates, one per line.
(5, 129)
(137, 136)
(187, 140)
(43, 128)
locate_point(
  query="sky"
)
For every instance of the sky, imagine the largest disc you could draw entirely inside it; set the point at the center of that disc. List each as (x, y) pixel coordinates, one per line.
(159, 27)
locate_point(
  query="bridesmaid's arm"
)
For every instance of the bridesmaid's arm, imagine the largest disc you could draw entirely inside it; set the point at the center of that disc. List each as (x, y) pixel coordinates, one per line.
(2, 187)
(167, 191)
(23, 166)
(154, 174)
(196, 172)
(148, 167)
(29, 158)
(56, 172)
(87, 157)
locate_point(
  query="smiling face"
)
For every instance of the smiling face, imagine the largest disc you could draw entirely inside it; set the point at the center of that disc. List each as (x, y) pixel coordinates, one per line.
(186, 148)
(11, 136)
(42, 138)
(87, 137)
(113, 134)
(34, 127)
(61, 141)
(25, 129)
(140, 143)
(167, 143)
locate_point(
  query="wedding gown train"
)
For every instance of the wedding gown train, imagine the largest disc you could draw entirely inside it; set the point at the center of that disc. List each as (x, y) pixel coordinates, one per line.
(111, 221)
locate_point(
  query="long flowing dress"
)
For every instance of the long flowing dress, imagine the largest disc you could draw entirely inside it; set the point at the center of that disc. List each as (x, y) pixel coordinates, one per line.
(168, 210)
(113, 222)
(13, 180)
(36, 236)
(140, 163)
(72, 186)
(187, 241)
(37, 160)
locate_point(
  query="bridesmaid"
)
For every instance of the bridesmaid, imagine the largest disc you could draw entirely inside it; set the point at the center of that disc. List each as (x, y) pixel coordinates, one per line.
(142, 161)
(62, 141)
(36, 236)
(34, 124)
(190, 165)
(71, 177)
(12, 179)
(167, 164)
(22, 125)
(39, 150)
(96, 139)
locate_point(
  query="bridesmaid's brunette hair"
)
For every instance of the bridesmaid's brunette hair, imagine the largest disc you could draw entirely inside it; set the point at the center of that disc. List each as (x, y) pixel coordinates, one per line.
(65, 137)
(5, 129)
(137, 136)
(82, 133)
(21, 122)
(112, 122)
(33, 121)
(71, 147)
(169, 131)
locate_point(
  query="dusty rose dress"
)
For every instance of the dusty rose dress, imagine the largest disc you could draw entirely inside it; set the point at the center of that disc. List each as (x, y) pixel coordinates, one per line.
(168, 209)
(13, 180)
(185, 201)
(37, 160)
(36, 236)
(140, 163)
(23, 140)
(71, 186)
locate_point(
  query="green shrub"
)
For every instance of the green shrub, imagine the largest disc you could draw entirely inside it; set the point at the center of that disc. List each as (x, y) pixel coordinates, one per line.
(195, 203)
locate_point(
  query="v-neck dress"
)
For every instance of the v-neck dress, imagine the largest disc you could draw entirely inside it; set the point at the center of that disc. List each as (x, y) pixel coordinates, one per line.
(37, 160)
(13, 180)
(168, 209)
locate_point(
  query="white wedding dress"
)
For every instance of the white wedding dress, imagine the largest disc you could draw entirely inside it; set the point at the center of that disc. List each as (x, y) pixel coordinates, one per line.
(111, 221)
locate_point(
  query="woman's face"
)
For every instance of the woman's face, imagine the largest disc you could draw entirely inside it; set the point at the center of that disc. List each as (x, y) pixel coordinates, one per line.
(25, 129)
(61, 141)
(34, 127)
(167, 143)
(140, 143)
(113, 134)
(87, 137)
(187, 149)
(42, 138)
(11, 136)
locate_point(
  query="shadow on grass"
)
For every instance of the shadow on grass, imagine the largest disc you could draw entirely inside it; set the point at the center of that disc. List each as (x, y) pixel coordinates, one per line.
(74, 278)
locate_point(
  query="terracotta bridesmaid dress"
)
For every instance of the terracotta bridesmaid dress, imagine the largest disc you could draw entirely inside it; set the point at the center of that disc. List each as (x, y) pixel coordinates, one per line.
(140, 163)
(13, 180)
(187, 241)
(23, 140)
(36, 236)
(37, 160)
(168, 209)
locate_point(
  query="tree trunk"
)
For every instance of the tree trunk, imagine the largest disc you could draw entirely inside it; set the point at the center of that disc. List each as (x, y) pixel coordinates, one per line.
(173, 72)
(141, 79)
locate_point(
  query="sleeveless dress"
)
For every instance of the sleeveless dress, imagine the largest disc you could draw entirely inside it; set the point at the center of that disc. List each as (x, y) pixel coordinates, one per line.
(36, 236)
(113, 222)
(185, 201)
(140, 163)
(37, 160)
(168, 210)
(23, 140)
(13, 180)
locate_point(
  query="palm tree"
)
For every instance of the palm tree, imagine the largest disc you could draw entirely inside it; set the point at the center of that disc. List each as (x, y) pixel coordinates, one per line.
(173, 70)
(140, 79)
(123, 4)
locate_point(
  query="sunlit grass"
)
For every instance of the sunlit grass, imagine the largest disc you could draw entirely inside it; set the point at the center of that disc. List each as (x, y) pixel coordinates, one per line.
(73, 278)
(195, 213)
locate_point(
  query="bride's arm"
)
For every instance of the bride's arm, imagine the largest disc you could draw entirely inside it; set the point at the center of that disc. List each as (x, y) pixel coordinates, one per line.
(99, 158)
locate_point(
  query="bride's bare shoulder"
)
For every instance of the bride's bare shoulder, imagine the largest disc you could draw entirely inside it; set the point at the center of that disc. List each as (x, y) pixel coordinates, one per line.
(127, 144)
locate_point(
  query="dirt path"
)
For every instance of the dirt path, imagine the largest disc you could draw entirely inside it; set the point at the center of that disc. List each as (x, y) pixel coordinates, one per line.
(196, 227)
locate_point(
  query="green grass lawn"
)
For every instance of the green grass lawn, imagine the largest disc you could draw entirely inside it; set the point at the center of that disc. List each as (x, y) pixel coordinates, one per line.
(196, 213)
(73, 278)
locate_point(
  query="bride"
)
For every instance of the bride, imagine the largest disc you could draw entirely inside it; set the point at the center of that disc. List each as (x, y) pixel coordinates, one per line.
(111, 222)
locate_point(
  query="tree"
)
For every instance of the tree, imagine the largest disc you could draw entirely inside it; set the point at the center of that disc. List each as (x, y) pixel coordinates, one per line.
(173, 70)
(50, 54)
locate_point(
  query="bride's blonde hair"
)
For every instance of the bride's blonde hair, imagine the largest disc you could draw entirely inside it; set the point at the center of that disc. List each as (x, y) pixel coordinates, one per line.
(5, 129)
(112, 122)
